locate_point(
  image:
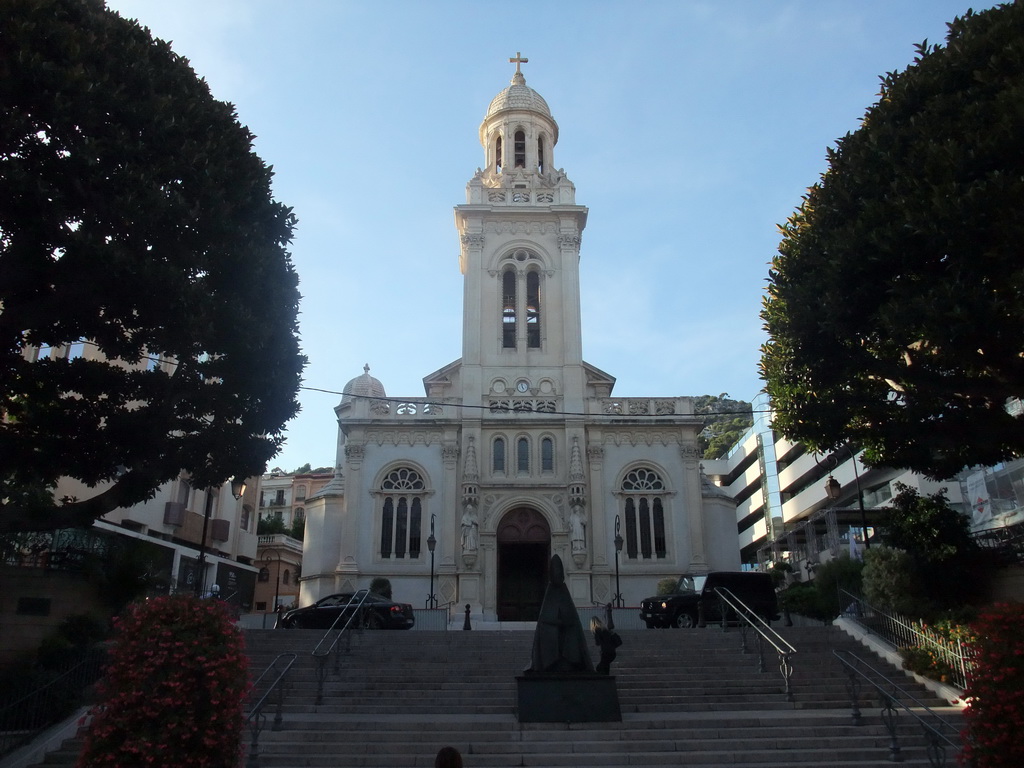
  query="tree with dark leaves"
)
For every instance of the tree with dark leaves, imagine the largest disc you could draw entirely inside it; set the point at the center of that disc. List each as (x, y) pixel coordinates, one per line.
(896, 301)
(148, 303)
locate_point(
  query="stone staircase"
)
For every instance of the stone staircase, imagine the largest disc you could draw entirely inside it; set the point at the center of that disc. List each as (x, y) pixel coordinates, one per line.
(688, 697)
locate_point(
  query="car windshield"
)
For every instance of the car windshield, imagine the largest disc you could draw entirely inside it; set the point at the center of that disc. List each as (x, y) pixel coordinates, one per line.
(691, 583)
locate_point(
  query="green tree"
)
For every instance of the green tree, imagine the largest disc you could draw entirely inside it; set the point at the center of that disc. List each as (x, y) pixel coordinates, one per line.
(268, 526)
(896, 300)
(948, 564)
(725, 421)
(136, 219)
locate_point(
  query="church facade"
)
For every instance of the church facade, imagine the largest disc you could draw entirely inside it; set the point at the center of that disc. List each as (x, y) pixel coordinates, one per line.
(519, 450)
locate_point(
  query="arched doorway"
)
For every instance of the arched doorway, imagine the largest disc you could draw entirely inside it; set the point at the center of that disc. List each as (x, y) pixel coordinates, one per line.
(524, 548)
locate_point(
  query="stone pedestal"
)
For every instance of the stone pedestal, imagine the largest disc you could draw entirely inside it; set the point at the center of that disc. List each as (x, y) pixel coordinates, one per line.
(586, 698)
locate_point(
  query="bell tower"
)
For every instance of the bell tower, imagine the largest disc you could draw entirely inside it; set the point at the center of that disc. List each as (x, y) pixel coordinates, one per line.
(520, 231)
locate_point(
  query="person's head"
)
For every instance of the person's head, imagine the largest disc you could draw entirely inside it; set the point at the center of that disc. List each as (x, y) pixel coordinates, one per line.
(595, 624)
(448, 757)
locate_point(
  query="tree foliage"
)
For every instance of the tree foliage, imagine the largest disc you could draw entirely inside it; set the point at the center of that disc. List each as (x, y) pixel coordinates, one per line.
(820, 598)
(948, 568)
(725, 421)
(892, 582)
(134, 215)
(896, 300)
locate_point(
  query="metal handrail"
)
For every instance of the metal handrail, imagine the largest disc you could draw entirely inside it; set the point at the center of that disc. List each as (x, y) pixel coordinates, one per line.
(256, 719)
(764, 633)
(898, 631)
(320, 656)
(857, 671)
(25, 717)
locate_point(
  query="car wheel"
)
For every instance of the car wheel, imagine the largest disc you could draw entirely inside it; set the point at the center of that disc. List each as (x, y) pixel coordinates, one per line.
(373, 621)
(685, 620)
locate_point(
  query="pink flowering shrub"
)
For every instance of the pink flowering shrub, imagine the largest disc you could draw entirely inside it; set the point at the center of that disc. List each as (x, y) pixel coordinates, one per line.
(174, 689)
(995, 692)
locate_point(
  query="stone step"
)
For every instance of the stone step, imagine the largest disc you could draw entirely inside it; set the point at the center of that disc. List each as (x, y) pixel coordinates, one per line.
(688, 697)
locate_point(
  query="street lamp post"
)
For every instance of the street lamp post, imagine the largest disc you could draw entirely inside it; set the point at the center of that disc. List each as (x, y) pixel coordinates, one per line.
(277, 576)
(832, 490)
(431, 544)
(237, 489)
(618, 549)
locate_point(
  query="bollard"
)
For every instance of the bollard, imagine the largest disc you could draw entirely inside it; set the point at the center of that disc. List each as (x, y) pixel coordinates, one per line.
(466, 624)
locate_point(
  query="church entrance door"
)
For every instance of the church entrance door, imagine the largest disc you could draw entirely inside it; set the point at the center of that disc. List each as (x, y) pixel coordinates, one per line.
(524, 549)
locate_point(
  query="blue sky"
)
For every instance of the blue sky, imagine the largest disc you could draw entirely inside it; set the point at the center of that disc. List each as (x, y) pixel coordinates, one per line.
(690, 128)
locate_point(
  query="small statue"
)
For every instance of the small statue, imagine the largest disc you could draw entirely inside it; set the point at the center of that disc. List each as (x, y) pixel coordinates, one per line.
(578, 529)
(470, 529)
(559, 644)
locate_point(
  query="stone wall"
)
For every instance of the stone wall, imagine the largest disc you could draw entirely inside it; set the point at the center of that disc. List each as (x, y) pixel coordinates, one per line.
(45, 598)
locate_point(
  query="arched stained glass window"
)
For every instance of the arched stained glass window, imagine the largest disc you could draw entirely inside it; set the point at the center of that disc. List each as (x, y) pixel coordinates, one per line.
(498, 455)
(644, 510)
(402, 493)
(523, 456)
(547, 455)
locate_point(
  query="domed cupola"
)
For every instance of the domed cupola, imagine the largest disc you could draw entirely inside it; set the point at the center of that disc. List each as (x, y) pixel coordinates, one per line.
(518, 132)
(362, 386)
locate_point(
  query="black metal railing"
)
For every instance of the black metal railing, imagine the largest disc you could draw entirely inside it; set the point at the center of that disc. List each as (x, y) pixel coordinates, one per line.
(764, 635)
(272, 682)
(1006, 545)
(25, 714)
(901, 632)
(940, 736)
(351, 618)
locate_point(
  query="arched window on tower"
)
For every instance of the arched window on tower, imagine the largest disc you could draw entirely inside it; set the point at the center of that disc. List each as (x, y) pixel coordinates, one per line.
(523, 456)
(402, 491)
(497, 154)
(520, 149)
(547, 455)
(644, 511)
(498, 455)
(540, 154)
(508, 309)
(533, 310)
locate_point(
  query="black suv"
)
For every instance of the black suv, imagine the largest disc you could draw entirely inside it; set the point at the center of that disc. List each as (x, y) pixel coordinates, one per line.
(693, 593)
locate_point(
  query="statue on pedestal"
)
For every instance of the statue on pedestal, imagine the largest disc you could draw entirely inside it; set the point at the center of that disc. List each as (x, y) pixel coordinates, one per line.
(559, 643)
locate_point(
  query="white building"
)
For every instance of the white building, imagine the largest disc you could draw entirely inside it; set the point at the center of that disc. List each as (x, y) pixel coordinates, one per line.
(519, 450)
(784, 511)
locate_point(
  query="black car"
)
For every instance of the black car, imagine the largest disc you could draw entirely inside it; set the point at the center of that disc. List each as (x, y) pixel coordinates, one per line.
(376, 612)
(697, 593)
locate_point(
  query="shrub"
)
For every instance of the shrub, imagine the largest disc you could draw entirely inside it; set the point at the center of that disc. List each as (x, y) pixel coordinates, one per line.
(804, 599)
(667, 587)
(174, 690)
(926, 662)
(892, 583)
(819, 599)
(381, 586)
(995, 714)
